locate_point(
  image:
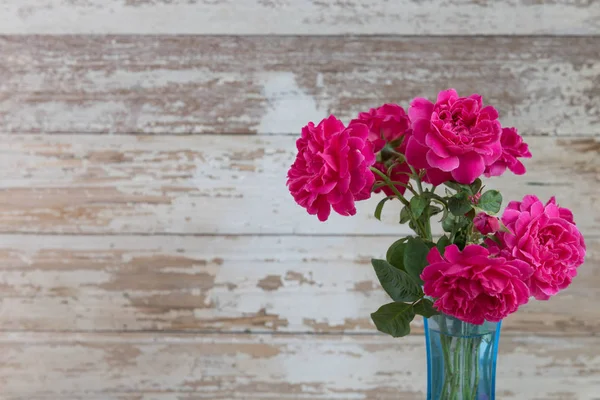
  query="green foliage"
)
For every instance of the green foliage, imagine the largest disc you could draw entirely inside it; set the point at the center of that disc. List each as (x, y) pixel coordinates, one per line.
(490, 201)
(425, 308)
(395, 253)
(417, 205)
(453, 224)
(433, 210)
(415, 257)
(379, 206)
(399, 274)
(396, 282)
(448, 223)
(404, 215)
(394, 319)
(459, 204)
(469, 189)
(454, 185)
(442, 243)
(475, 186)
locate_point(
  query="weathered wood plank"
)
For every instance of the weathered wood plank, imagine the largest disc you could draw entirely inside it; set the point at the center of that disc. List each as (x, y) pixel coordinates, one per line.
(169, 367)
(230, 284)
(183, 84)
(225, 185)
(293, 17)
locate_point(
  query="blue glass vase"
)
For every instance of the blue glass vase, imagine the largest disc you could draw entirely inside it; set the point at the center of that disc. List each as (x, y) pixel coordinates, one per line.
(461, 359)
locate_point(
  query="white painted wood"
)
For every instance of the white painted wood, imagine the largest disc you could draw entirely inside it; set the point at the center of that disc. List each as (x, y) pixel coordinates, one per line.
(300, 17)
(275, 85)
(168, 367)
(230, 284)
(226, 185)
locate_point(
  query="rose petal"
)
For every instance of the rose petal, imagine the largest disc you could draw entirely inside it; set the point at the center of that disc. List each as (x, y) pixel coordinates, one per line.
(446, 95)
(420, 108)
(416, 154)
(470, 168)
(445, 164)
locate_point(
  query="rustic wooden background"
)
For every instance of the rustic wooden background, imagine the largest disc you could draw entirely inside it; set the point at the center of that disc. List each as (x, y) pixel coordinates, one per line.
(149, 249)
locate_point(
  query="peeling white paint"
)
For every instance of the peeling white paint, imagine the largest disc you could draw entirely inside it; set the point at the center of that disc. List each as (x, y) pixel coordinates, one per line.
(287, 104)
(293, 17)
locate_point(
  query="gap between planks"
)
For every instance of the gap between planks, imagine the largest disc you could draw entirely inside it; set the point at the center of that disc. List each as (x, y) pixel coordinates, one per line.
(220, 284)
(230, 235)
(155, 84)
(300, 17)
(272, 366)
(16, 335)
(208, 184)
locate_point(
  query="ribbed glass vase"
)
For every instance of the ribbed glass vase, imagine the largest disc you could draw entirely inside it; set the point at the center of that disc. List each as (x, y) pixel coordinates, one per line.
(461, 359)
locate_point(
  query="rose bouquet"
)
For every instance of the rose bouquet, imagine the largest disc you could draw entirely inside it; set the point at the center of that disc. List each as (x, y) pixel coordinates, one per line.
(483, 267)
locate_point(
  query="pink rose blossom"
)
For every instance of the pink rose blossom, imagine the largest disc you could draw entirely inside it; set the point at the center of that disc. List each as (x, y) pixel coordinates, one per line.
(473, 286)
(544, 236)
(455, 138)
(386, 123)
(332, 168)
(486, 224)
(399, 173)
(512, 147)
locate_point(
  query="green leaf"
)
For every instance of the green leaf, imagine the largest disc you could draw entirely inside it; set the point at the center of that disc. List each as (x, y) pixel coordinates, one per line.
(454, 185)
(379, 207)
(433, 210)
(459, 204)
(461, 240)
(448, 223)
(475, 186)
(396, 282)
(404, 215)
(417, 205)
(425, 308)
(471, 214)
(395, 253)
(443, 243)
(394, 319)
(490, 201)
(452, 223)
(415, 258)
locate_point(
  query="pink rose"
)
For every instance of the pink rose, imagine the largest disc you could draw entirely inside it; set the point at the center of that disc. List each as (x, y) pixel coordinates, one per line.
(486, 224)
(457, 137)
(545, 237)
(332, 168)
(473, 286)
(386, 123)
(399, 173)
(512, 147)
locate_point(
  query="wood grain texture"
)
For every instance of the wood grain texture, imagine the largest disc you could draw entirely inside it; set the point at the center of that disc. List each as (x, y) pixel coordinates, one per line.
(294, 17)
(230, 284)
(266, 84)
(170, 367)
(212, 184)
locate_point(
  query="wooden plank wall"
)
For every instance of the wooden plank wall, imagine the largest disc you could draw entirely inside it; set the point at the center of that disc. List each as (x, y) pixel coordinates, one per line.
(149, 249)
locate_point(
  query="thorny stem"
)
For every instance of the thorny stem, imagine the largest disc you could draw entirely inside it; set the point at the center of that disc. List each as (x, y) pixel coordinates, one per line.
(417, 179)
(387, 180)
(406, 185)
(391, 186)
